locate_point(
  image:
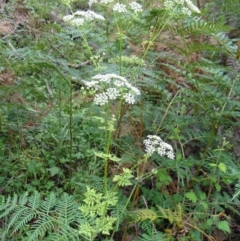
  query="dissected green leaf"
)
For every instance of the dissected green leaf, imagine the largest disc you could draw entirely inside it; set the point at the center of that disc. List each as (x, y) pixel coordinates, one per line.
(224, 226)
(191, 196)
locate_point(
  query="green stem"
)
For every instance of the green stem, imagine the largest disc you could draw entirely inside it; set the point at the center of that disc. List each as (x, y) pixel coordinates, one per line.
(166, 112)
(153, 37)
(120, 54)
(109, 138)
(213, 134)
(70, 134)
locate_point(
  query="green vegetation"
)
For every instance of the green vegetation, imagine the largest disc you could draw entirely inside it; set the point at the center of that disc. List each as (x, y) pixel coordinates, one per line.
(119, 121)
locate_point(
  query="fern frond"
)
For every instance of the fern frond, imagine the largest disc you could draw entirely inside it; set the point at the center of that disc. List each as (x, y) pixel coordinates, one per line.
(43, 218)
(27, 216)
(48, 205)
(23, 199)
(237, 191)
(58, 237)
(34, 201)
(7, 205)
(200, 26)
(40, 227)
(19, 218)
(172, 216)
(230, 206)
(66, 207)
(144, 214)
(154, 236)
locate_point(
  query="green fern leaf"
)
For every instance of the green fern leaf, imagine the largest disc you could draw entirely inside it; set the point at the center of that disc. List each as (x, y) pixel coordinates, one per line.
(35, 201)
(43, 218)
(23, 199)
(18, 214)
(144, 214)
(66, 207)
(48, 205)
(40, 227)
(27, 216)
(5, 207)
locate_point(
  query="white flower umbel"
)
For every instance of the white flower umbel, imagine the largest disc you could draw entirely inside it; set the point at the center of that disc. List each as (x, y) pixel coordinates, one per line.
(112, 93)
(192, 6)
(154, 143)
(68, 18)
(91, 2)
(186, 11)
(89, 15)
(119, 7)
(136, 7)
(113, 87)
(169, 4)
(79, 17)
(77, 21)
(106, 1)
(129, 98)
(101, 99)
(185, 7)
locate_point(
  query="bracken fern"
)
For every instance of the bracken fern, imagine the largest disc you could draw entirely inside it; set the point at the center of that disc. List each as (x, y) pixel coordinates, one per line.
(51, 218)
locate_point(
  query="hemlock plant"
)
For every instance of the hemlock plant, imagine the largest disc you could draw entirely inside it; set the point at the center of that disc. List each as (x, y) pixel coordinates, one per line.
(99, 138)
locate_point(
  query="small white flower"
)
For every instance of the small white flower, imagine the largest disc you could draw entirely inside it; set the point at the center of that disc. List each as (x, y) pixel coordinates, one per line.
(81, 13)
(156, 144)
(77, 21)
(129, 98)
(102, 78)
(89, 15)
(114, 87)
(96, 15)
(68, 18)
(119, 7)
(136, 7)
(112, 93)
(170, 155)
(168, 4)
(91, 2)
(192, 6)
(150, 149)
(92, 84)
(106, 1)
(101, 99)
(135, 90)
(186, 11)
(179, 1)
(171, 4)
(118, 83)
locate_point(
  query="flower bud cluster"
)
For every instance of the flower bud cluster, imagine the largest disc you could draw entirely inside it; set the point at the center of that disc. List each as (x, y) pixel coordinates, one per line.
(79, 17)
(154, 143)
(185, 7)
(112, 87)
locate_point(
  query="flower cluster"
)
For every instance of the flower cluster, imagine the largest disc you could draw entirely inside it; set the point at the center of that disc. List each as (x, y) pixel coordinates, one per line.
(113, 87)
(134, 6)
(156, 144)
(101, 1)
(186, 6)
(78, 18)
(119, 7)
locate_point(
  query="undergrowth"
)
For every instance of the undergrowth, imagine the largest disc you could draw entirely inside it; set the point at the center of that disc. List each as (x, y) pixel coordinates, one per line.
(118, 121)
